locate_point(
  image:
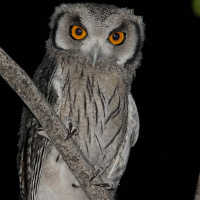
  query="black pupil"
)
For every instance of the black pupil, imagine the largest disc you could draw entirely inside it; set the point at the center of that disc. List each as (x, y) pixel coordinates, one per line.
(116, 36)
(79, 31)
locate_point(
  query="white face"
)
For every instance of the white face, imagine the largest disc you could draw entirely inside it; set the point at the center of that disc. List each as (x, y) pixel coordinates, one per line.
(114, 36)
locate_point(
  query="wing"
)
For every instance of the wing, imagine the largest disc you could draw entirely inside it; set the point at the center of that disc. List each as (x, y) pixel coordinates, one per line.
(33, 150)
(117, 168)
(33, 147)
(133, 121)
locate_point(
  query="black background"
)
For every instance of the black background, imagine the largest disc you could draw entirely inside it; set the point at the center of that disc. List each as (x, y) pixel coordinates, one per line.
(164, 163)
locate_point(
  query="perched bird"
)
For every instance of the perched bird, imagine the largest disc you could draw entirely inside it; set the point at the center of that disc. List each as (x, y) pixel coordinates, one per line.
(86, 75)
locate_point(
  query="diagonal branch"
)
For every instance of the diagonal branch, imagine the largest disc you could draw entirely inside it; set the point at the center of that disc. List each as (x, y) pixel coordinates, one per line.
(55, 129)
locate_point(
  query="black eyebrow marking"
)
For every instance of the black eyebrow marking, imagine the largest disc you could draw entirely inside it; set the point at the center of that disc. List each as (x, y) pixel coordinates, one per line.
(119, 28)
(76, 18)
(138, 45)
(53, 35)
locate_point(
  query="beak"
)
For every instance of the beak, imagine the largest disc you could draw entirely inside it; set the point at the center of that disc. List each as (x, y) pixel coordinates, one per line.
(95, 56)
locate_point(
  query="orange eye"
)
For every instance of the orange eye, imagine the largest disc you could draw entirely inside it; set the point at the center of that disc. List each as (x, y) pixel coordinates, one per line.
(117, 38)
(78, 33)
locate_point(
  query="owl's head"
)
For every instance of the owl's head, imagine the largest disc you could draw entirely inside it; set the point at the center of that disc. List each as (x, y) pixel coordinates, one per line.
(98, 33)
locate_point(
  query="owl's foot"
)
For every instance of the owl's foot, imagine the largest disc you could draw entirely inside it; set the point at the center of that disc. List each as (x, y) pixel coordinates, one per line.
(58, 158)
(40, 131)
(96, 173)
(72, 130)
(106, 182)
(106, 185)
(75, 186)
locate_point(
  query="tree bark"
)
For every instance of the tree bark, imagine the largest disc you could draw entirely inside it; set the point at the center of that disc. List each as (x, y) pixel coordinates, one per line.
(55, 129)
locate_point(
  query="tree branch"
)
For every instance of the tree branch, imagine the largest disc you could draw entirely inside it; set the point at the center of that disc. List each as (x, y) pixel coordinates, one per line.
(55, 129)
(197, 194)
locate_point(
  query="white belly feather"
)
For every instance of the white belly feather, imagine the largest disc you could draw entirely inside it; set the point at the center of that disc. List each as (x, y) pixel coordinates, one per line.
(56, 181)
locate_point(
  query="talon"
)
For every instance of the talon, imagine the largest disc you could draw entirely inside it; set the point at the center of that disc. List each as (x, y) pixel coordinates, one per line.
(70, 125)
(95, 174)
(103, 184)
(58, 158)
(74, 132)
(76, 129)
(74, 185)
(40, 131)
(69, 136)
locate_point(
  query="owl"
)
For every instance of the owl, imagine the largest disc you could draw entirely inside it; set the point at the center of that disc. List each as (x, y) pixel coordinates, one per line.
(86, 75)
